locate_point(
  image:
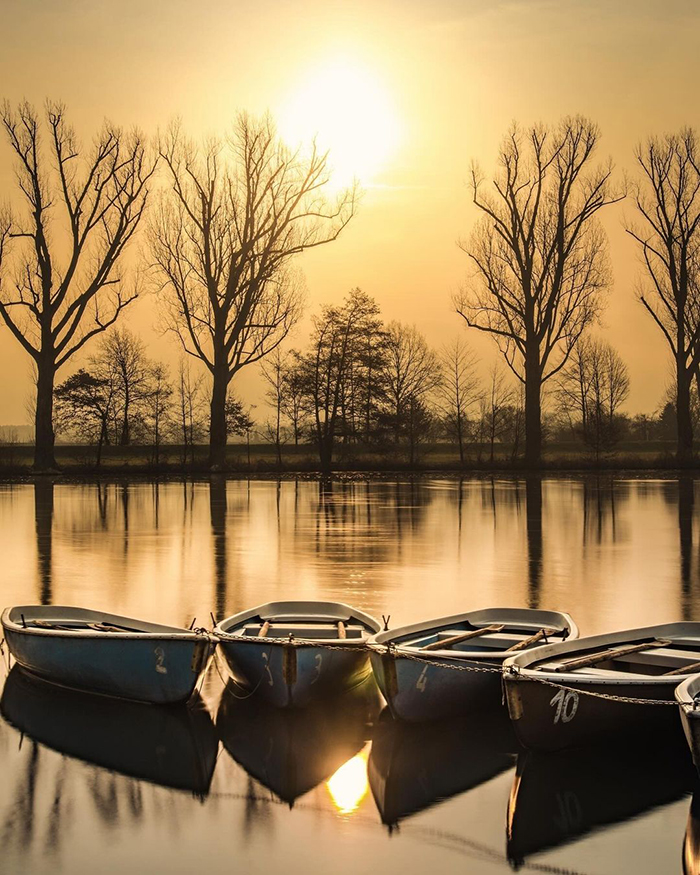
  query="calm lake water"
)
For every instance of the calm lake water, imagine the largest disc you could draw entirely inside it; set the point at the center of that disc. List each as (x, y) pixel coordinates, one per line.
(101, 786)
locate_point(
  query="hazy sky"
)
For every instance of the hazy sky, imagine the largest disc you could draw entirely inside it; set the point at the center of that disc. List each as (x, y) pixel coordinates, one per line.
(408, 92)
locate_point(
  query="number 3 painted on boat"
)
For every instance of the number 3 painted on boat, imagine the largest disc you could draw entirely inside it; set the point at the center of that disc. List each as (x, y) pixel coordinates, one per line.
(567, 705)
(266, 660)
(160, 661)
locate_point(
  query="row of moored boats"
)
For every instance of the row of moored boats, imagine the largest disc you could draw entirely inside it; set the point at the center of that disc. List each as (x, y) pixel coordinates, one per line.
(561, 690)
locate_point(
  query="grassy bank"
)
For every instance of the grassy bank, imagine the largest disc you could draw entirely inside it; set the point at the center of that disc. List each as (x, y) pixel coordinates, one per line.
(262, 459)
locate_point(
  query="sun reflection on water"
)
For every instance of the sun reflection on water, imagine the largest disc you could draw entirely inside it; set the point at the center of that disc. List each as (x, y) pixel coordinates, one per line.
(349, 784)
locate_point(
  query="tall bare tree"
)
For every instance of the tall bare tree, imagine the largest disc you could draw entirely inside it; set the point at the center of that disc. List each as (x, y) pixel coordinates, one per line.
(459, 390)
(61, 283)
(668, 202)
(222, 240)
(412, 370)
(540, 257)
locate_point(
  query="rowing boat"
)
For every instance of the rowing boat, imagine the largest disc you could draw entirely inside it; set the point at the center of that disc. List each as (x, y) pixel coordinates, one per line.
(106, 653)
(443, 668)
(577, 692)
(413, 766)
(293, 653)
(173, 746)
(688, 697)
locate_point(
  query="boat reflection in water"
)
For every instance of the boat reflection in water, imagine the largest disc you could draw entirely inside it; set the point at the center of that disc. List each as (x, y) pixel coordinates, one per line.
(291, 751)
(691, 845)
(171, 745)
(414, 765)
(558, 797)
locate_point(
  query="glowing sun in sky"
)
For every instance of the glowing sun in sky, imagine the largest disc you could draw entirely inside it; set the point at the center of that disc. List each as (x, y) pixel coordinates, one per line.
(348, 109)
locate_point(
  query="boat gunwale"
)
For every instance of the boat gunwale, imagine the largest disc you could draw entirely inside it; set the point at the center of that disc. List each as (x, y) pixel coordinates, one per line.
(347, 612)
(379, 641)
(686, 700)
(10, 625)
(518, 666)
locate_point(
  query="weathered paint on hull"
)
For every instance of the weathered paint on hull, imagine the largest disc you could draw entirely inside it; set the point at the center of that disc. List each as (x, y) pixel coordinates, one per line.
(159, 670)
(547, 718)
(173, 746)
(417, 691)
(292, 676)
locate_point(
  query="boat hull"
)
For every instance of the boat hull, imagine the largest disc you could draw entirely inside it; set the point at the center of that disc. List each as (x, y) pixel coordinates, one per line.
(150, 668)
(576, 714)
(420, 690)
(290, 675)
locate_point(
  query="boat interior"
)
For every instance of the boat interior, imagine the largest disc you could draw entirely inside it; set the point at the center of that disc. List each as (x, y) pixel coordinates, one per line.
(56, 618)
(316, 628)
(660, 656)
(494, 637)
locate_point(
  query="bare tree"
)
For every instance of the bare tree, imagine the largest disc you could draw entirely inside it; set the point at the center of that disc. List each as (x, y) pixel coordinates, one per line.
(121, 357)
(590, 391)
(668, 201)
(188, 418)
(222, 242)
(273, 371)
(496, 406)
(323, 370)
(61, 283)
(412, 370)
(540, 256)
(459, 391)
(158, 393)
(293, 405)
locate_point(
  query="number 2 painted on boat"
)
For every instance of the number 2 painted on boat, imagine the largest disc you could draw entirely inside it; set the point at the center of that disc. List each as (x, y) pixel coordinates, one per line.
(567, 705)
(160, 661)
(422, 681)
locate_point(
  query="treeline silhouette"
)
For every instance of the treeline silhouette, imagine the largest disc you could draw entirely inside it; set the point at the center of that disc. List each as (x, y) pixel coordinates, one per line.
(223, 222)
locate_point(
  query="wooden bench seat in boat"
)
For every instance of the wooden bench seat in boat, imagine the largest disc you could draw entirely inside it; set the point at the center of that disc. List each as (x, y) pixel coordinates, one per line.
(307, 630)
(665, 658)
(494, 640)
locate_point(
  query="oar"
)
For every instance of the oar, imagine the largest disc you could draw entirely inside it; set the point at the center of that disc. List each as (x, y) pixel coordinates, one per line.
(264, 629)
(611, 653)
(685, 669)
(464, 636)
(341, 629)
(526, 642)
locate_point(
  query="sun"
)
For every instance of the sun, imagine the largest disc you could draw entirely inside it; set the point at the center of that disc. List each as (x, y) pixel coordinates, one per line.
(345, 105)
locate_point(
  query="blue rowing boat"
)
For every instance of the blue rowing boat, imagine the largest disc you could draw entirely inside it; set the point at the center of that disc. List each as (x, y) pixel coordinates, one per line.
(294, 653)
(443, 668)
(108, 654)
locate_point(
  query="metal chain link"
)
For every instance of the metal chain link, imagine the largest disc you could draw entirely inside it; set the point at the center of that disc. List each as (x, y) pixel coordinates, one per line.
(385, 650)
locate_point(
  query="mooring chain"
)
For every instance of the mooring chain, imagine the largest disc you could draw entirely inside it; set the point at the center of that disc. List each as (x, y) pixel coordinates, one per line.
(394, 652)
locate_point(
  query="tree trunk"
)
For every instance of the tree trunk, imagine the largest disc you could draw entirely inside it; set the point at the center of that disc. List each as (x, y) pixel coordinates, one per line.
(217, 427)
(44, 459)
(325, 452)
(684, 449)
(533, 412)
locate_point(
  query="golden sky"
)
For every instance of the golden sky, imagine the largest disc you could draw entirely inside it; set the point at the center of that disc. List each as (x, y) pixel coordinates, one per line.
(407, 91)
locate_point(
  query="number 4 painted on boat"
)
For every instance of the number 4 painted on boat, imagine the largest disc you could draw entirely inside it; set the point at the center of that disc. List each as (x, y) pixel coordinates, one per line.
(566, 702)
(422, 681)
